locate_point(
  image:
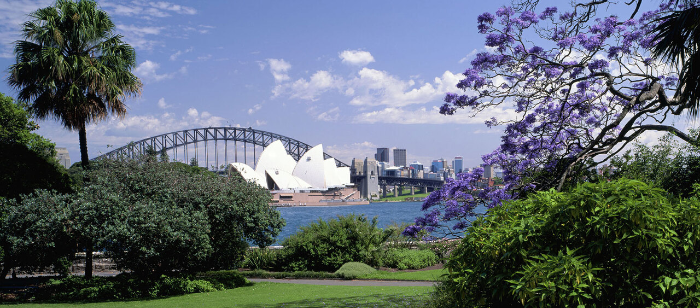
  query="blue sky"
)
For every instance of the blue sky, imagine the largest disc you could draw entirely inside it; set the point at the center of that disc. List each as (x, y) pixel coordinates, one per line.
(351, 75)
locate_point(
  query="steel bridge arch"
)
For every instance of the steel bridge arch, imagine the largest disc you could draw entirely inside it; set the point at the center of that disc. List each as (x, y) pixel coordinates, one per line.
(173, 140)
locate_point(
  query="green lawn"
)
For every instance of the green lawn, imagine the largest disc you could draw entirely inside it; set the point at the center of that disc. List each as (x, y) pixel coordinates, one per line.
(280, 295)
(431, 275)
(390, 197)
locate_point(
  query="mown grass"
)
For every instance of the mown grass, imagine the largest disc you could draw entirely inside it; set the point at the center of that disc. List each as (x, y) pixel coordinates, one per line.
(266, 294)
(429, 275)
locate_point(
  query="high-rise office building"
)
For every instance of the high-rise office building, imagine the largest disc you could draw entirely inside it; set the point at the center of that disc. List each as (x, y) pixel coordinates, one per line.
(400, 158)
(63, 157)
(437, 165)
(458, 164)
(382, 155)
(417, 168)
(488, 171)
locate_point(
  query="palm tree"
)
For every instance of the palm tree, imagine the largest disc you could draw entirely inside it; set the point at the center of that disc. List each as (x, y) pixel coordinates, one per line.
(73, 68)
(678, 36)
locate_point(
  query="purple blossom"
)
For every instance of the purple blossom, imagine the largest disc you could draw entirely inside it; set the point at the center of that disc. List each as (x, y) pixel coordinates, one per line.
(598, 65)
(548, 12)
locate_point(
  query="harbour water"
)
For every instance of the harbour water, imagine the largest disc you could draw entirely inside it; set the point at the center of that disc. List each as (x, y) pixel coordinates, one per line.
(387, 214)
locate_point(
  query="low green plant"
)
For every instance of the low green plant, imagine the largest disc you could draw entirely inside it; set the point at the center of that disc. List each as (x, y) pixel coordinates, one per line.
(327, 245)
(353, 270)
(610, 244)
(409, 259)
(261, 258)
(226, 279)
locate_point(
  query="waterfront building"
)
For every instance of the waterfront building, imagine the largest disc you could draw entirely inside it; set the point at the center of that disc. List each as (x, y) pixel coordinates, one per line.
(400, 158)
(488, 171)
(417, 167)
(458, 164)
(382, 155)
(357, 167)
(63, 157)
(312, 180)
(381, 168)
(437, 165)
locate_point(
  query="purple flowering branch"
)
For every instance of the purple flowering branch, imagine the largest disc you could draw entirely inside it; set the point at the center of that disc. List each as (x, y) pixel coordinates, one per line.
(587, 89)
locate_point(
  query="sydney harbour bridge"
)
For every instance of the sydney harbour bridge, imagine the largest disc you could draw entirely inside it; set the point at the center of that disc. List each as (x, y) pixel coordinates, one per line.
(223, 145)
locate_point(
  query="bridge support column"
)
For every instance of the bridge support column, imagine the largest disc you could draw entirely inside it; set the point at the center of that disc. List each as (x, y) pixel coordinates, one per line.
(396, 191)
(424, 189)
(413, 190)
(383, 191)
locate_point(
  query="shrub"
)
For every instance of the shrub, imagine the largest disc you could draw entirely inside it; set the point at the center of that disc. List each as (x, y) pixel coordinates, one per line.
(283, 275)
(621, 243)
(354, 269)
(409, 259)
(325, 246)
(227, 279)
(261, 258)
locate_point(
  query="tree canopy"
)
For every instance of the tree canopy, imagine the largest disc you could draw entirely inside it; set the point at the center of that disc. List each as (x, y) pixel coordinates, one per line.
(72, 67)
(579, 87)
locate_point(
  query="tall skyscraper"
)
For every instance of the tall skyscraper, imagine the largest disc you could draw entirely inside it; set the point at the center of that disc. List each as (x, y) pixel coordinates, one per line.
(63, 157)
(382, 155)
(437, 165)
(488, 171)
(400, 158)
(458, 164)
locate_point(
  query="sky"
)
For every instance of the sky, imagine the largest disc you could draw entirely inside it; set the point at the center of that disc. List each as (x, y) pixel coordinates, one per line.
(351, 75)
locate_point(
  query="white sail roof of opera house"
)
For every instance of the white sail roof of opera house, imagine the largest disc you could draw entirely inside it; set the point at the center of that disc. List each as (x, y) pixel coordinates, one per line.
(277, 170)
(249, 173)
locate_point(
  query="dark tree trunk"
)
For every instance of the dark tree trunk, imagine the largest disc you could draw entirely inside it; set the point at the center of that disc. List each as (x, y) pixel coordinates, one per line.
(7, 262)
(88, 259)
(82, 135)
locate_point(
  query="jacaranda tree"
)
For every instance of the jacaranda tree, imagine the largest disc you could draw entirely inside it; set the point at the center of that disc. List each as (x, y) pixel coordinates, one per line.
(580, 85)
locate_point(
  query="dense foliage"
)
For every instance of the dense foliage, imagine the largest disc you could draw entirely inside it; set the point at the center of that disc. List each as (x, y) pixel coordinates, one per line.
(151, 217)
(28, 160)
(327, 245)
(669, 164)
(621, 243)
(409, 258)
(572, 86)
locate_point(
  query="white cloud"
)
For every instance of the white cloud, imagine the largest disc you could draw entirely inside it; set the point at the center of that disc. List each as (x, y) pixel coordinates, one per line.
(255, 108)
(261, 65)
(424, 115)
(162, 104)
(147, 10)
(147, 72)
(319, 83)
(136, 35)
(260, 123)
(346, 152)
(14, 14)
(279, 68)
(471, 54)
(192, 112)
(330, 115)
(174, 56)
(356, 57)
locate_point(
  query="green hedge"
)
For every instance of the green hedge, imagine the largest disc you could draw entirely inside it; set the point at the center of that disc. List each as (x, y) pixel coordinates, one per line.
(409, 258)
(613, 244)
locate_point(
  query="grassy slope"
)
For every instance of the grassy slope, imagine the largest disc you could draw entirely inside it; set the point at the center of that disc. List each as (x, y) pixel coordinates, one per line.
(280, 295)
(401, 198)
(431, 275)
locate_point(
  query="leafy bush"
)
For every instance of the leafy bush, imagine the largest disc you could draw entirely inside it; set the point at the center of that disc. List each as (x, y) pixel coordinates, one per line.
(352, 270)
(613, 244)
(227, 279)
(409, 258)
(325, 246)
(261, 258)
(127, 286)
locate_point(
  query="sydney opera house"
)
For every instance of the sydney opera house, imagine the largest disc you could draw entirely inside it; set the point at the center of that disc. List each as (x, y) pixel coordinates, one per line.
(311, 181)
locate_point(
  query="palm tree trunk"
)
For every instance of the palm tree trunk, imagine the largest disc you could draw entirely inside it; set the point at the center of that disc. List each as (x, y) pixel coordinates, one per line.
(82, 135)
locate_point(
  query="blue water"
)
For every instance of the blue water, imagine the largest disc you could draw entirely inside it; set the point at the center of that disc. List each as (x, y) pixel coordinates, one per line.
(387, 214)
